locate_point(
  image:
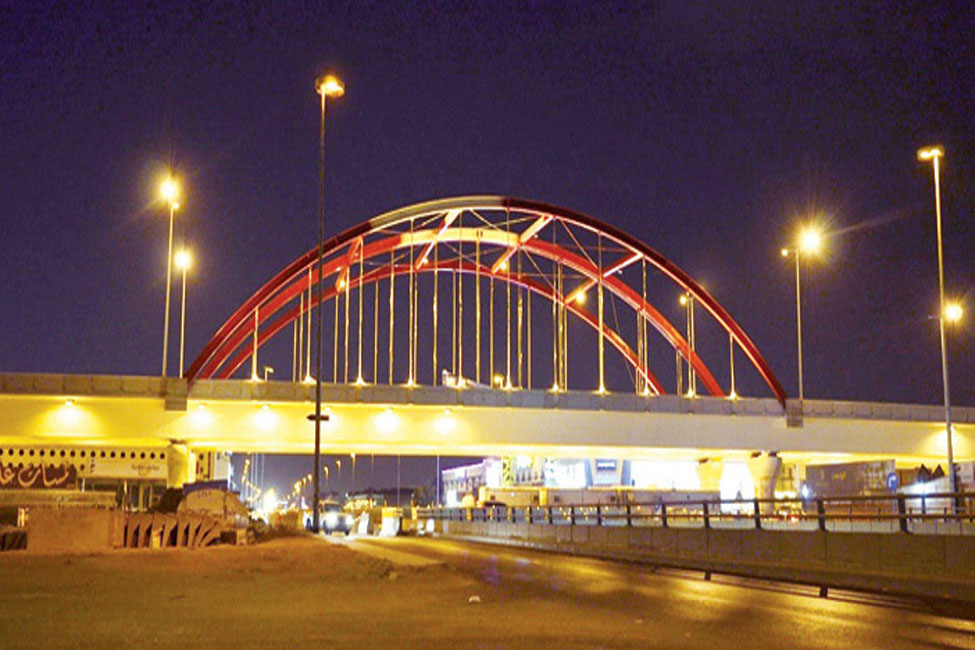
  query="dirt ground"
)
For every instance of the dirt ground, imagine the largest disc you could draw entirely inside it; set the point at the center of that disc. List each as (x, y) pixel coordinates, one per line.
(415, 593)
(294, 592)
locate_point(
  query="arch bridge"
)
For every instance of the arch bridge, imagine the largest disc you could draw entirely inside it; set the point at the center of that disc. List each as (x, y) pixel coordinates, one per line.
(412, 264)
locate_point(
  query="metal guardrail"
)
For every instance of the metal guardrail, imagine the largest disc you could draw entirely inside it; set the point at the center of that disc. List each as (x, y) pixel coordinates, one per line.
(938, 513)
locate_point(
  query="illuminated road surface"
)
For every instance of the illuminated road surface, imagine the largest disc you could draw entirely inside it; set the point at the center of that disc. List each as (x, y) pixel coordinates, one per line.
(677, 608)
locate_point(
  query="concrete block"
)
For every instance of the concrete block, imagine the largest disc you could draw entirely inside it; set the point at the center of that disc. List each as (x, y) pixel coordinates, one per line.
(665, 404)
(106, 384)
(712, 406)
(853, 550)
(580, 534)
(597, 536)
(724, 544)
(77, 384)
(638, 538)
(693, 542)
(48, 384)
(959, 556)
(806, 548)
(379, 394)
(617, 538)
(438, 395)
(563, 534)
(578, 400)
(912, 554)
(665, 541)
(760, 546)
(546, 534)
(78, 530)
(623, 402)
(17, 383)
(230, 390)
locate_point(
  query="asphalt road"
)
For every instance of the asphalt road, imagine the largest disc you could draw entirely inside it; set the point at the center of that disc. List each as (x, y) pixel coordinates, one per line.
(681, 609)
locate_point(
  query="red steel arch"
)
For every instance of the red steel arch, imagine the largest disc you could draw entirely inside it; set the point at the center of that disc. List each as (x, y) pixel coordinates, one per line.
(226, 350)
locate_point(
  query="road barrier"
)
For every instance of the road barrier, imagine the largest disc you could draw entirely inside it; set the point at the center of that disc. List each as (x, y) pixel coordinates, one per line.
(936, 513)
(905, 545)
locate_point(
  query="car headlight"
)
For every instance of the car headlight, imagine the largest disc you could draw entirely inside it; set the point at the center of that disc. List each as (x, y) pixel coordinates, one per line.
(331, 518)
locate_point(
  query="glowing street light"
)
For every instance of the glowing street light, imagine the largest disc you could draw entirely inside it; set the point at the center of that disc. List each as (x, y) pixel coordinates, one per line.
(183, 260)
(934, 154)
(953, 312)
(327, 86)
(810, 242)
(169, 191)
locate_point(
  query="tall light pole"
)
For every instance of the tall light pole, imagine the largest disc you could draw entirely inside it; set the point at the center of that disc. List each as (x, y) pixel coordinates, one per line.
(687, 300)
(809, 242)
(169, 190)
(183, 260)
(935, 154)
(327, 86)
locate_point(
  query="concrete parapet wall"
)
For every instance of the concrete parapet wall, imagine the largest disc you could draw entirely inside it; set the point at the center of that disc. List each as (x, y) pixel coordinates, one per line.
(914, 565)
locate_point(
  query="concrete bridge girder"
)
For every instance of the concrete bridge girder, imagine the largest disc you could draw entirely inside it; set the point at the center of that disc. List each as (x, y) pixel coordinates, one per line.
(272, 418)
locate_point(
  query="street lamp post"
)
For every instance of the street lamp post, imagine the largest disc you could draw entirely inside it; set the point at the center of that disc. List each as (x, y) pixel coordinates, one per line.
(809, 242)
(268, 370)
(170, 192)
(327, 86)
(183, 262)
(935, 154)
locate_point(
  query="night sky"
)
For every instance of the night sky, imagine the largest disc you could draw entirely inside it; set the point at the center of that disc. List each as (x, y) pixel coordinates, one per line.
(710, 131)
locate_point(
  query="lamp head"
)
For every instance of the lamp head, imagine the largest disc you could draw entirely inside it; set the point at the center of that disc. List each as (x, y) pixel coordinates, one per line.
(183, 260)
(925, 154)
(810, 240)
(330, 86)
(953, 312)
(169, 190)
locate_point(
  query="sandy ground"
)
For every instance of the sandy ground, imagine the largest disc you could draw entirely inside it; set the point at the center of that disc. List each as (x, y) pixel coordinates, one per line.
(302, 592)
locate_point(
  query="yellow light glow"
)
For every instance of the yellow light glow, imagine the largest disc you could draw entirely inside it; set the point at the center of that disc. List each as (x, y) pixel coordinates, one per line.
(953, 312)
(169, 191)
(360, 381)
(341, 284)
(330, 86)
(683, 299)
(580, 298)
(183, 260)
(810, 240)
(785, 252)
(928, 153)
(499, 380)
(308, 379)
(386, 421)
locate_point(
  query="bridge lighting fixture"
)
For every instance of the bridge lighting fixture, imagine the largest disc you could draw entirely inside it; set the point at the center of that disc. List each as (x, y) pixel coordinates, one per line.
(504, 265)
(268, 370)
(580, 298)
(683, 299)
(953, 312)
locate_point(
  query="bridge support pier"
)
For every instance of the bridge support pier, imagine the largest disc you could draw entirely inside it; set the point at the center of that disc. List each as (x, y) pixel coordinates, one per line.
(764, 471)
(181, 464)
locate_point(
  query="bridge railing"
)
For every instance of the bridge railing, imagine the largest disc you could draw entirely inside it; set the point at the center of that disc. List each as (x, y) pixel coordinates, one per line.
(936, 513)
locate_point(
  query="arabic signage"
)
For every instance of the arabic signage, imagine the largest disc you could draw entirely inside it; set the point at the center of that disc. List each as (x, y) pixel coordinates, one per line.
(37, 477)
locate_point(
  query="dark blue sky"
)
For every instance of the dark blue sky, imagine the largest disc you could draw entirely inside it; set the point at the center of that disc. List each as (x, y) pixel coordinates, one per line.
(708, 130)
